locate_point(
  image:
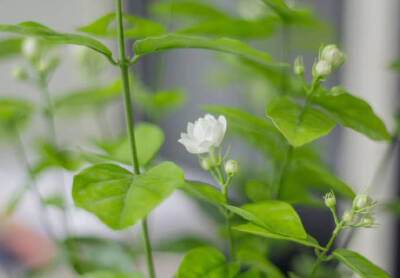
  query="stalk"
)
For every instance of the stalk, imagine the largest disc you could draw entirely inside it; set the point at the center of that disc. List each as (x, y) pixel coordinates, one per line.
(123, 65)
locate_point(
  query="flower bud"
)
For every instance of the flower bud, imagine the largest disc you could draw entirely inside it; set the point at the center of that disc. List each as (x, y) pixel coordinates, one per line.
(333, 56)
(367, 221)
(330, 200)
(231, 167)
(323, 69)
(298, 67)
(43, 66)
(206, 164)
(30, 48)
(19, 73)
(348, 216)
(362, 201)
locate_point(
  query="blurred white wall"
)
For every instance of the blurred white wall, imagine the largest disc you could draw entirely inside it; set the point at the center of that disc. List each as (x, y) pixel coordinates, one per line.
(371, 36)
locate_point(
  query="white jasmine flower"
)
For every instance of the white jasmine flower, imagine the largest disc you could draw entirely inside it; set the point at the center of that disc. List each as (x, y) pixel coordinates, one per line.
(333, 56)
(323, 68)
(231, 167)
(30, 48)
(205, 134)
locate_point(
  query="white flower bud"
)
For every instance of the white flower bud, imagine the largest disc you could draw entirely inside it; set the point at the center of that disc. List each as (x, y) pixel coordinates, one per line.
(362, 201)
(330, 199)
(333, 56)
(204, 135)
(30, 48)
(367, 221)
(19, 73)
(231, 167)
(348, 216)
(298, 67)
(323, 69)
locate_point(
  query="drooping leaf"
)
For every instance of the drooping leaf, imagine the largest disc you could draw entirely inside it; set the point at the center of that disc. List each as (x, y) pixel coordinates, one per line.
(177, 41)
(92, 97)
(303, 175)
(206, 262)
(34, 29)
(111, 274)
(359, 264)
(119, 198)
(10, 47)
(276, 216)
(149, 139)
(263, 232)
(14, 114)
(204, 192)
(352, 112)
(300, 125)
(88, 254)
(136, 27)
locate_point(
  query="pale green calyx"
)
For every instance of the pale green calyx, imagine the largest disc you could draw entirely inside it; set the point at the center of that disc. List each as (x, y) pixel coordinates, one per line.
(333, 56)
(330, 200)
(231, 167)
(206, 164)
(348, 216)
(367, 221)
(298, 67)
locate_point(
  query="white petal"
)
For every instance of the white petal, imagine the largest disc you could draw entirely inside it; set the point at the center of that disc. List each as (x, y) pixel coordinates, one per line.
(222, 121)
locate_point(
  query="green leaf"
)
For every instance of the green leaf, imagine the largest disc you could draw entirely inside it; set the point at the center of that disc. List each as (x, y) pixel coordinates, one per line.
(302, 175)
(135, 27)
(88, 254)
(249, 274)
(189, 9)
(258, 132)
(120, 198)
(300, 125)
(261, 231)
(14, 114)
(204, 192)
(257, 191)
(229, 27)
(34, 29)
(259, 261)
(275, 216)
(88, 98)
(176, 41)
(111, 274)
(292, 275)
(10, 47)
(395, 66)
(54, 156)
(359, 264)
(149, 139)
(206, 262)
(352, 112)
(182, 244)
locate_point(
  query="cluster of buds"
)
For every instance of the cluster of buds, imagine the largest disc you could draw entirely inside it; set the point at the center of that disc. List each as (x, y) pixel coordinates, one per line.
(361, 210)
(330, 58)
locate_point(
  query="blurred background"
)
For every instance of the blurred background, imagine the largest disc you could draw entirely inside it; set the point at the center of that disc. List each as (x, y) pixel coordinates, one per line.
(368, 31)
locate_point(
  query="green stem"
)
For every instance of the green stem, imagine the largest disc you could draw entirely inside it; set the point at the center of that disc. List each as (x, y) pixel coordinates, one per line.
(281, 177)
(123, 65)
(322, 255)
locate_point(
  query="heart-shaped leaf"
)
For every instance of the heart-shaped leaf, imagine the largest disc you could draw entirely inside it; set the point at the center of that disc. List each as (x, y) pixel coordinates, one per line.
(300, 125)
(118, 197)
(359, 264)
